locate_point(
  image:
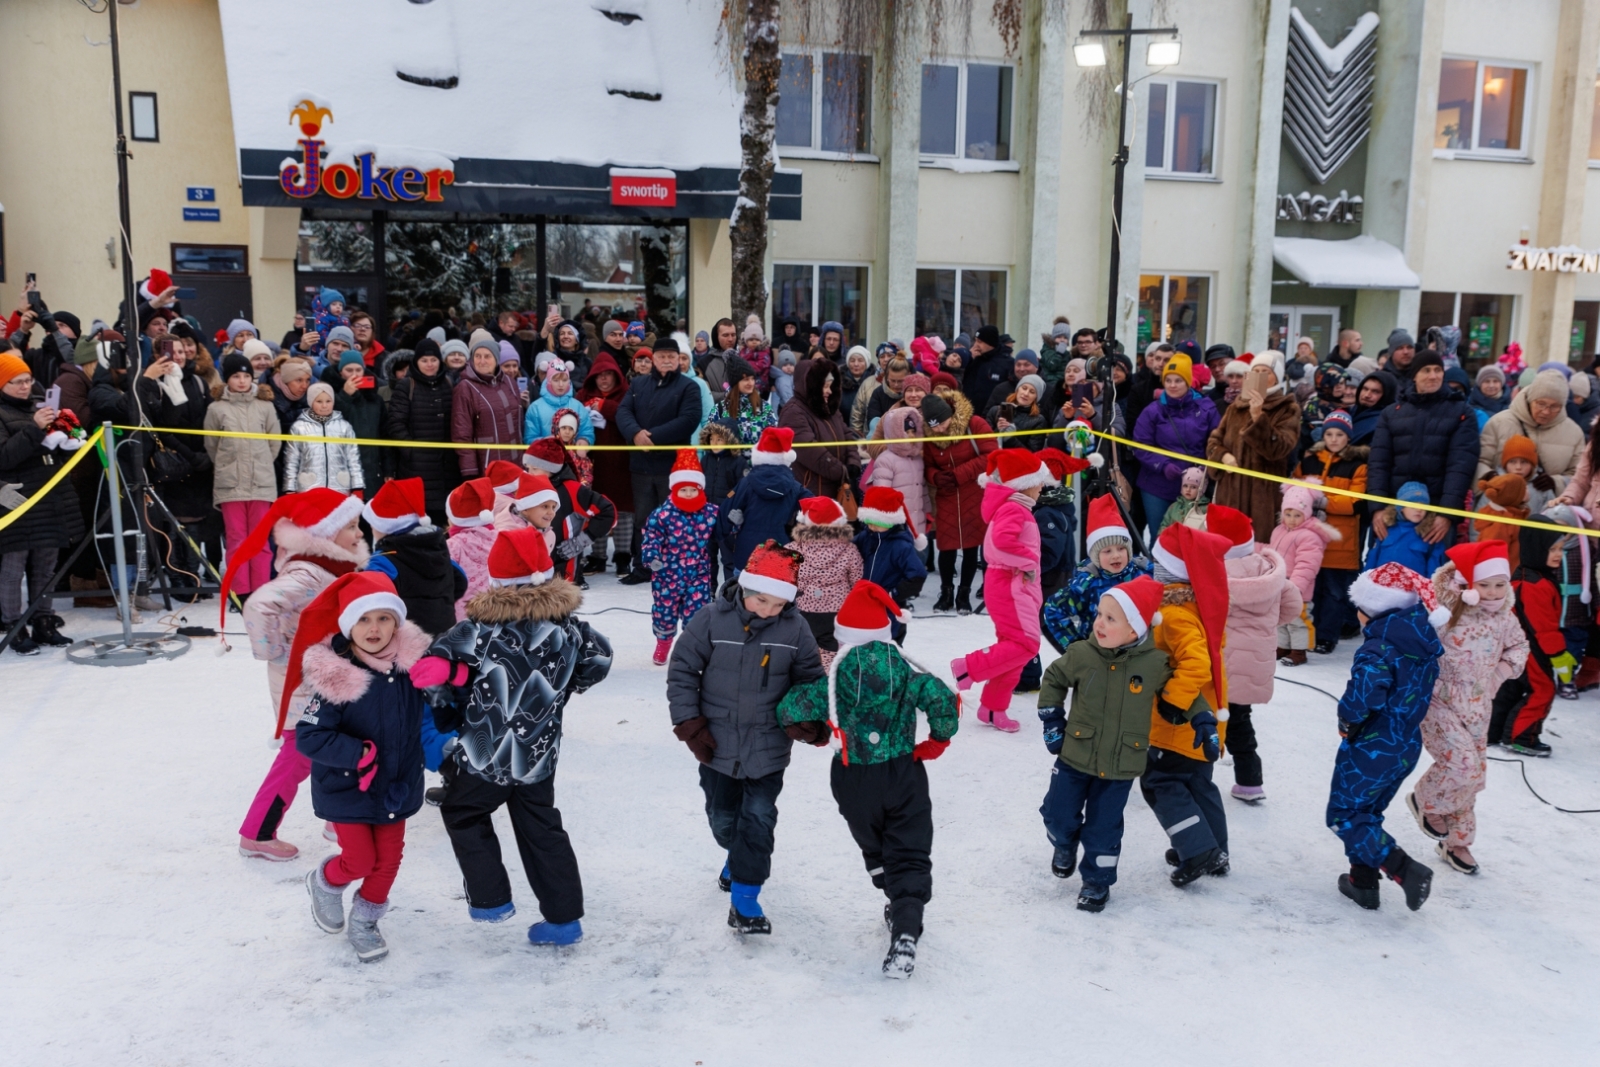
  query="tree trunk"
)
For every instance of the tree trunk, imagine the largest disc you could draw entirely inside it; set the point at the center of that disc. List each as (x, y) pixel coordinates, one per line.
(747, 230)
(660, 297)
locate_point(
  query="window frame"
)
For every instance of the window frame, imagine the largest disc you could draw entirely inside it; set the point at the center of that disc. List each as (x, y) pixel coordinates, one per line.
(814, 151)
(936, 158)
(1166, 173)
(155, 116)
(816, 266)
(959, 269)
(242, 250)
(1515, 155)
(1166, 277)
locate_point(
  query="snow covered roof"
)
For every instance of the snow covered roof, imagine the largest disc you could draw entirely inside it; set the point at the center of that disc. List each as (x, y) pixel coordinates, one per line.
(1362, 262)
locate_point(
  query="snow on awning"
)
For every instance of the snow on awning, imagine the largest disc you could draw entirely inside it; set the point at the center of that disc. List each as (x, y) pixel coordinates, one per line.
(1358, 263)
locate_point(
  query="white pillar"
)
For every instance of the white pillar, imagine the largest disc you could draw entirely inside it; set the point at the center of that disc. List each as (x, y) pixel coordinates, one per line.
(1266, 105)
(899, 175)
(1034, 292)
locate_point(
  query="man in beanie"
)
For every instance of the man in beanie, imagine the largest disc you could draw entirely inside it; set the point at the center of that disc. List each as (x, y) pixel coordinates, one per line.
(661, 408)
(1431, 437)
(1402, 354)
(738, 656)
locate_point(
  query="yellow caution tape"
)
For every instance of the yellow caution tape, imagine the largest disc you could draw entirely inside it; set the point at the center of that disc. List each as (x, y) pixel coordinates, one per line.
(89, 445)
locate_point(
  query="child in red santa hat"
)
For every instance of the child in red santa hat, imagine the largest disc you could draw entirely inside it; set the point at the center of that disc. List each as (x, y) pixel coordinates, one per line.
(675, 550)
(470, 509)
(830, 567)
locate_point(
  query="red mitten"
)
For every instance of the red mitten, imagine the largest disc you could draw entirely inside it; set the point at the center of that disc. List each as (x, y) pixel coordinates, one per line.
(431, 671)
(368, 765)
(929, 750)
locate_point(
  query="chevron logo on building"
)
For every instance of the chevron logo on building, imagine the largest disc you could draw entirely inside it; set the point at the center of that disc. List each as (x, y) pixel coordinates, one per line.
(1327, 98)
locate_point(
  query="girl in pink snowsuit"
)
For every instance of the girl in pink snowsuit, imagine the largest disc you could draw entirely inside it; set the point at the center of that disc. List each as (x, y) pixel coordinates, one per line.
(1011, 587)
(1484, 645)
(471, 511)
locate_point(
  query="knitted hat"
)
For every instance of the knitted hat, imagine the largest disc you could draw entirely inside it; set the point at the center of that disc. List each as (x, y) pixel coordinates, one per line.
(1399, 338)
(1234, 526)
(1015, 468)
(934, 409)
(1519, 447)
(944, 379)
(471, 503)
(1179, 364)
(11, 365)
(1339, 420)
(1393, 587)
(336, 610)
(612, 326)
(1507, 490)
(546, 454)
(397, 505)
(255, 347)
(509, 353)
(686, 470)
(340, 333)
(883, 506)
(858, 350)
(821, 511)
(1196, 556)
(1548, 385)
(320, 512)
(1033, 380)
(238, 326)
(1477, 560)
(1141, 602)
(519, 557)
(1413, 493)
(533, 490)
(866, 614)
(1298, 497)
(234, 363)
(455, 344)
(1194, 478)
(989, 335)
(1580, 385)
(158, 282)
(351, 357)
(1061, 465)
(1025, 355)
(773, 570)
(1202, 375)
(502, 475)
(753, 332)
(1104, 521)
(293, 370)
(776, 446)
(917, 380)
(485, 340)
(1060, 330)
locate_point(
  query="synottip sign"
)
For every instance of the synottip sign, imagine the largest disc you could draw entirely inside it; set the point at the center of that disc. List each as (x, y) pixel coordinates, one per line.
(644, 188)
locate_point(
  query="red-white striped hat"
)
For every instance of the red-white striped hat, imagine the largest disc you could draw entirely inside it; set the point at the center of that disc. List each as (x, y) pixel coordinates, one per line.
(519, 557)
(775, 446)
(686, 470)
(398, 505)
(1395, 587)
(470, 504)
(866, 615)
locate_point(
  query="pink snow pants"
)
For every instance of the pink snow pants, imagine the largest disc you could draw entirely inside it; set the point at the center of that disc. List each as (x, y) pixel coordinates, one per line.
(1448, 791)
(1013, 604)
(239, 517)
(277, 792)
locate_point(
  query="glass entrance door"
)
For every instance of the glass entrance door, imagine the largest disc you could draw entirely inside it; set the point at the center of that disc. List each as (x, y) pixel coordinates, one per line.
(1286, 325)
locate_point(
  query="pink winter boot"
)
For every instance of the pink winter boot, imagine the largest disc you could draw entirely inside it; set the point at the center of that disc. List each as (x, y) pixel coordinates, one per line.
(1000, 721)
(958, 668)
(663, 649)
(271, 849)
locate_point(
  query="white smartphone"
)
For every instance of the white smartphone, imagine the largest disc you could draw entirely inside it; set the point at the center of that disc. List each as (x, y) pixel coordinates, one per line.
(52, 397)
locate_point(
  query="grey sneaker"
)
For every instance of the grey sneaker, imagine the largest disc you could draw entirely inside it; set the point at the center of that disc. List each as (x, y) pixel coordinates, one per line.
(327, 902)
(363, 930)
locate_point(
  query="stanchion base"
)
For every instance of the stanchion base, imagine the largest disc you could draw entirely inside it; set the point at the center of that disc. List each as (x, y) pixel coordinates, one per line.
(112, 651)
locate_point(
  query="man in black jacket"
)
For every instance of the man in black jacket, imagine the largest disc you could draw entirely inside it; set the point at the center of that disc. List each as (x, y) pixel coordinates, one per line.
(661, 408)
(1430, 436)
(989, 367)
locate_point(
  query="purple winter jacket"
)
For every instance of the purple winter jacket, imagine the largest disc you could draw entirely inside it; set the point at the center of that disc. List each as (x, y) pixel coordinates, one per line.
(1178, 426)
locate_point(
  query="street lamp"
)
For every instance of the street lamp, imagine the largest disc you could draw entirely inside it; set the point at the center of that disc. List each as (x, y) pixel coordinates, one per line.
(1090, 51)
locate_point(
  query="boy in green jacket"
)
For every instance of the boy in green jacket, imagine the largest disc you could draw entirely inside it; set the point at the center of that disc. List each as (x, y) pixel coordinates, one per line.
(869, 701)
(1104, 743)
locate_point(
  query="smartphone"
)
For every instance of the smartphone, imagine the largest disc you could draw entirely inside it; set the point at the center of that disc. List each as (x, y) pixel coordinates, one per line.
(522, 385)
(164, 347)
(552, 309)
(52, 397)
(1081, 392)
(1008, 412)
(32, 279)
(188, 294)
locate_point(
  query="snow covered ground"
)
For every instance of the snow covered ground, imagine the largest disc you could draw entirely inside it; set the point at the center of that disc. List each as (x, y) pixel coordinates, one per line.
(133, 933)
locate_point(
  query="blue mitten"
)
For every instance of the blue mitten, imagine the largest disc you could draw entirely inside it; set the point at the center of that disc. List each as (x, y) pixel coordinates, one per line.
(1205, 735)
(1055, 727)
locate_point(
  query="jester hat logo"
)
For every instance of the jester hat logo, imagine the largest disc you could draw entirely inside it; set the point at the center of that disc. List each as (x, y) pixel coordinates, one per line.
(310, 116)
(364, 178)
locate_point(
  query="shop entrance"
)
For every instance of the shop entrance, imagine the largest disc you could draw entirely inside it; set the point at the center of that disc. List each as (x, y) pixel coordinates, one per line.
(1288, 324)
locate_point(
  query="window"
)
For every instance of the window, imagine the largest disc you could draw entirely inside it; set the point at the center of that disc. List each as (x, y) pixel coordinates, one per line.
(142, 117)
(1481, 107)
(825, 105)
(812, 293)
(1181, 132)
(966, 110)
(1173, 308)
(210, 259)
(952, 300)
(1483, 319)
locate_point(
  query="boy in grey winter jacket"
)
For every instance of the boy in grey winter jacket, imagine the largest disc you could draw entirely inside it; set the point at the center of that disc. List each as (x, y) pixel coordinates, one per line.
(730, 667)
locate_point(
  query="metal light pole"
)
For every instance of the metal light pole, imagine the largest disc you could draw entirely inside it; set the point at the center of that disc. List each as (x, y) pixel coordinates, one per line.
(129, 294)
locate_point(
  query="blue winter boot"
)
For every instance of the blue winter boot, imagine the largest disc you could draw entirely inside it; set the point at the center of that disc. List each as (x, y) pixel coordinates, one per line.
(547, 933)
(492, 915)
(745, 916)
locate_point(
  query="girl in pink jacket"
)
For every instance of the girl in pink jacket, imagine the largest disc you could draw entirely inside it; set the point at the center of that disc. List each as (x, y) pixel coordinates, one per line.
(898, 464)
(1011, 586)
(318, 534)
(1484, 645)
(470, 509)
(1300, 538)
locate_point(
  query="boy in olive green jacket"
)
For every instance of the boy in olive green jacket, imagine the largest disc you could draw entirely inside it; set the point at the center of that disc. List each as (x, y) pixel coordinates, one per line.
(1104, 742)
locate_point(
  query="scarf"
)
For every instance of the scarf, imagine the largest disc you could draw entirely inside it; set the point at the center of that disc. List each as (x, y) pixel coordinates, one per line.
(381, 661)
(172, 385)
(1024, 499)
(336, 567)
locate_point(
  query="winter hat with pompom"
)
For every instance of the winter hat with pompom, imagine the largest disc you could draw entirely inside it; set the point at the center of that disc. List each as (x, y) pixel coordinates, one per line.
(336, 610)
(546, 454)
(1104, 522)
(533, 490)
(1477, 560)
(883, 506)
(519, 557)
(1194, 478)
(470, 504)
(320, 512)
(1235, 526)
(821, 511)
(502, 476)
(775, 447)
(1298, 497)
(1393, 587)
(398, 505)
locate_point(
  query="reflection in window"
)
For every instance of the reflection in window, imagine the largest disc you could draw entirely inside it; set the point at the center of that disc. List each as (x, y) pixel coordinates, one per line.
(940, 88)
(1180, 132)
(988, 112)
(1482, 107)
(1173, 308)
(812, 293)
(952, 301)
(846, 103)
(794, 101)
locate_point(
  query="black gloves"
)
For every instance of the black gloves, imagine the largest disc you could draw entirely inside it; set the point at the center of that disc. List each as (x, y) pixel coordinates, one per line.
(1170, 711)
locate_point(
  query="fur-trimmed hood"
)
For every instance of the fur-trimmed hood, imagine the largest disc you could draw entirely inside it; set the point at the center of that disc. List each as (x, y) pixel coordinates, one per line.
(962, 417)
(555, 599)
(340, 680)
(717, 432)
(295, 540)
(1177, 593)
(823, 533)
(1353, 453)
(1255, 580)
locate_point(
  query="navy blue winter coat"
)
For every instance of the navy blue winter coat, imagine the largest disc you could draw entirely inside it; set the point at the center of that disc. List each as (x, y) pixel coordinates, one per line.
(1056, 521)
(889, 557)
(668, 405)
(1430, 438)
(763, 507)
(351, 704)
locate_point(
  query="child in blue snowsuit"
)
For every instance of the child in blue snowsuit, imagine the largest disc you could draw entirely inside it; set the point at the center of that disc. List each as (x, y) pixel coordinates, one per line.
(764, 503)
(890, 559)
(1069, 612)
(1380, 723)
(1404, 545)
(676, 547)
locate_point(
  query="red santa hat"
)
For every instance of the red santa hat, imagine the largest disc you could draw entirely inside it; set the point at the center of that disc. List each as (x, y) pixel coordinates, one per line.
(1234, 525)
(1016, 469)
(1141, 602)
(502, 475)
(398, 505)
(883, 506)
(1393, 587)
(319, 512)
(470, 503)
(1062, 466)
(519, 557)
(1104, 521)
(772, 569)
(866, 615)
(1196, 557)
(335, 610)
(158, 282)
(1477, 560)
(547, 454)
(533, 490)
(821, 511)
(775, 446)
(686, 470)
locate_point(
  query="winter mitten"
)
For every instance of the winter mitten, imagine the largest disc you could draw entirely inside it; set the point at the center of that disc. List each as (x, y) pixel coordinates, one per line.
(929, 749)
(1563, 665)
(368, 766)
(1205, 735)
(583, 545)
(597, 420)
(736, 517)
(1055, 728)
(1170, 711)
(696, 733)
(809, 733)
(55, 438)
(430, 671)
(10, 498)
(656, 564)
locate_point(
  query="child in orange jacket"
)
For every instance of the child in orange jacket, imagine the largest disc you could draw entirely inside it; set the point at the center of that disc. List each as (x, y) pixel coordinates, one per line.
(1503, 497)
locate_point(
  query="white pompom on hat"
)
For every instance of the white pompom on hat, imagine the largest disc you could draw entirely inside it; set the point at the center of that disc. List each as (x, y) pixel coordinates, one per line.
(1393, 587)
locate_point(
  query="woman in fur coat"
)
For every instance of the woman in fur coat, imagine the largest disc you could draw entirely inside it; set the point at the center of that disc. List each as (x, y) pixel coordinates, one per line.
(1257, 433)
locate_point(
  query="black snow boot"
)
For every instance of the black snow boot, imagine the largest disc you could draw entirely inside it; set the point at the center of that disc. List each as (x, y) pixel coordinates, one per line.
(964, 602)
(902, 957)
(1205, 863)
(1064, 862)
(1361, 885)
(946, 602)
(1220, 869)
(46, 630)
(1413, 877)
(21, 643)
(1093, 897)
